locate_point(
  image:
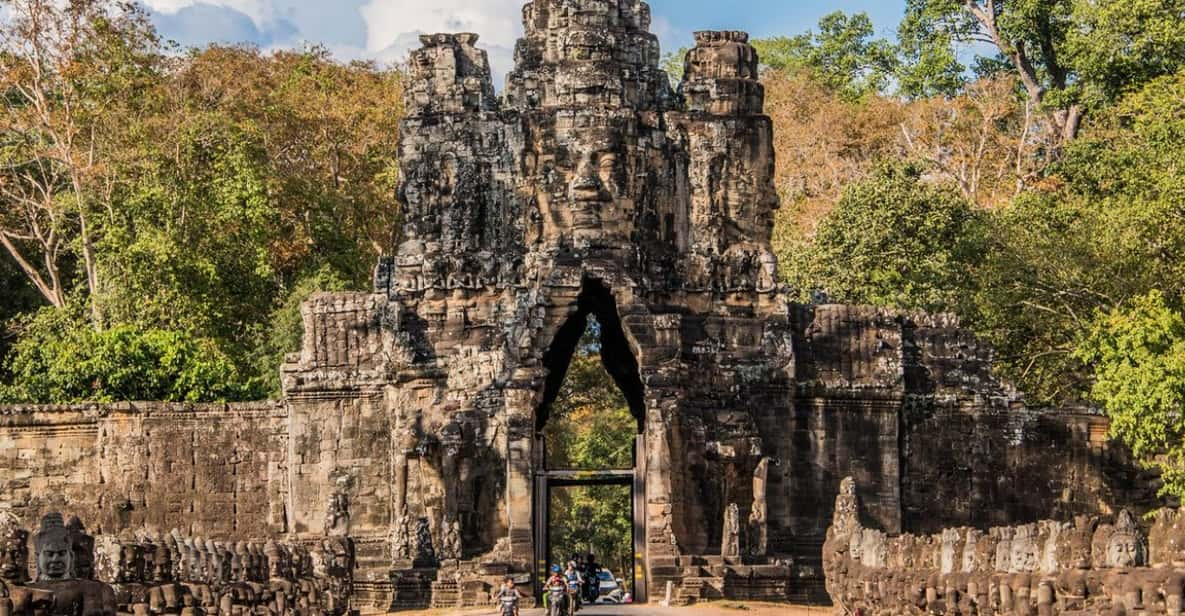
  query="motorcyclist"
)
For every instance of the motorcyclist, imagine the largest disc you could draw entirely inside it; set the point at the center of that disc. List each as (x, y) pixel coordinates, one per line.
(575, 583)
(508, 597)
(555, 591)
(592, 581)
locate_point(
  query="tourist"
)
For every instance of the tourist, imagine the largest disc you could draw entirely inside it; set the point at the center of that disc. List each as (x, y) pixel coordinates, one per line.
(555, 592)
(575, 583)
(592, 581)
(508, 597)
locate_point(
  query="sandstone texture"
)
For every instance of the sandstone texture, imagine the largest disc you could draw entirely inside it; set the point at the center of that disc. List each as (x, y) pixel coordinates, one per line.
(1087, 565)
(412, 416)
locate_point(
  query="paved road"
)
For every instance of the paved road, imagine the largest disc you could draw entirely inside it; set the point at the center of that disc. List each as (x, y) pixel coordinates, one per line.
(701, 610)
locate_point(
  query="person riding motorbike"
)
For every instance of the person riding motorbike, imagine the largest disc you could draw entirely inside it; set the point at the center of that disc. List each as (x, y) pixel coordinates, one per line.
(592, 581)
(508, 597)
(575, 583)
(556, 592)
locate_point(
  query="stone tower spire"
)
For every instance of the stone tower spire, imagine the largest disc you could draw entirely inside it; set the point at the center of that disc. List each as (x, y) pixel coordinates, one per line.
(587, 53)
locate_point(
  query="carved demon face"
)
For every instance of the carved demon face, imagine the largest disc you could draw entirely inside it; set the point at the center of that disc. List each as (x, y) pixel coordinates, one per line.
(14, 555)
(130, 563)
(55, 556)
(1124, 550)
(162, 565)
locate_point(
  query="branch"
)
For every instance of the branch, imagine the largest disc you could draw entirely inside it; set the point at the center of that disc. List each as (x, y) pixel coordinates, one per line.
(52, 295)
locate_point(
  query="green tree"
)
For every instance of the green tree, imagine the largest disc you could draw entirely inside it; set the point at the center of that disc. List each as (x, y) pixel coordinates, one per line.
(60, 359)
(74, 74)
(1104, 226)
(1070, 55)
(843, 54)
(1138, 354)
(591, 428)
(895, 240)
(928, 59)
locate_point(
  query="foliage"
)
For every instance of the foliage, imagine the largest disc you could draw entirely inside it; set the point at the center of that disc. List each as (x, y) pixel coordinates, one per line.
(591, 428)
(843, 54)
(73, 75)
(928, 61)
(1138, 352)
(892, 240)
(822, 143)
(1070, 55)
(594, 519)
(1104, 226)
(188, 193)
(61, 359)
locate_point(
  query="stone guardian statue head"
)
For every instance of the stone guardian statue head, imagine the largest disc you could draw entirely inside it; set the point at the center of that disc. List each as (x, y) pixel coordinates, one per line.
(14, 550)
(1126, 547)
(54, 550)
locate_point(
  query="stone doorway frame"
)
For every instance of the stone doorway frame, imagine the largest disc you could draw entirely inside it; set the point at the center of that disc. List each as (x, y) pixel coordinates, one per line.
(635, 479)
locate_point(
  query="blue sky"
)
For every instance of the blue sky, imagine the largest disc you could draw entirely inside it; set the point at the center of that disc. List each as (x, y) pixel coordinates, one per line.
(386, 29)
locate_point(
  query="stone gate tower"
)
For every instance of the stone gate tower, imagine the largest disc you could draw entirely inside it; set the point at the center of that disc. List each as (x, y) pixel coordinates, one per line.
(592, 187)
(410, 425)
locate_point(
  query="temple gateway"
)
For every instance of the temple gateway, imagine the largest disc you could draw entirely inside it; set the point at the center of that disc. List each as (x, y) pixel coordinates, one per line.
(404, 466)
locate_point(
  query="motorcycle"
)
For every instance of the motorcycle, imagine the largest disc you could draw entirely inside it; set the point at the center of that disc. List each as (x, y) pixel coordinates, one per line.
(509, 606)
(557, 601)
(573, 599)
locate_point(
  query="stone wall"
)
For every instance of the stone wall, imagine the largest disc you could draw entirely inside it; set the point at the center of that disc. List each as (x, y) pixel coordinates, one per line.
(215, 470)
(1085, 565)
(412, 415)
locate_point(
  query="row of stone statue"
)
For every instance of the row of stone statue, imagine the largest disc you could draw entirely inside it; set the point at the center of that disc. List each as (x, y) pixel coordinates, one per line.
(1080, 567)
(1115, 592)
(77, 574)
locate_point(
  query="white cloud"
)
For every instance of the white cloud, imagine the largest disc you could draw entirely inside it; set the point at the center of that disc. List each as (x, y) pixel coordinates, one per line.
(381, 29)
(393, 26)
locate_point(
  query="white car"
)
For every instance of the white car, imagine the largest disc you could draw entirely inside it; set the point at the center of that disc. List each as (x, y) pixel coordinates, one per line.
(610, 588)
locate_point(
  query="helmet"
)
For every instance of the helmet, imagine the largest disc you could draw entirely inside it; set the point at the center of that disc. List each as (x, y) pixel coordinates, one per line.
(555, 568)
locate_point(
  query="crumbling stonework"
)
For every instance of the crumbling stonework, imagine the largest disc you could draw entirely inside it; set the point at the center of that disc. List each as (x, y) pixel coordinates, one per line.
(412, 416)
(1081, 566)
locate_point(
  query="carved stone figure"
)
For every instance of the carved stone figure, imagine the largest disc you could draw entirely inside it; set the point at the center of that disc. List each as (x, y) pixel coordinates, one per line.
(732, 532)
(451, 545)
(15, 596)
(54, 550)
(758, 543)
(402, 538)
(1126, 546)
(425, 550)
(337, 515)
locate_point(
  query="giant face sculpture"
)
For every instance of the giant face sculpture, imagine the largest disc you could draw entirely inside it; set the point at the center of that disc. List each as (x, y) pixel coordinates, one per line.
(586, 188)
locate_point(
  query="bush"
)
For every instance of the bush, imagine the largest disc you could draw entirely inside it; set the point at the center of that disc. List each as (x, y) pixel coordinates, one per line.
(60, 359)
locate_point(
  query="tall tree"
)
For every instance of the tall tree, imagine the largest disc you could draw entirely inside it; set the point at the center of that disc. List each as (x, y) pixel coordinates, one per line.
(843, 54)
(72, 74)
(1138, 352)
(1068, 54)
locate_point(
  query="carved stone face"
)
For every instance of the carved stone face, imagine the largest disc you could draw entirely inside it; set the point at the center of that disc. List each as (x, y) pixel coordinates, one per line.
(130, 563)
(55, 557)
(238, 572)
(84, 556)
(162, 565)
(14, 553)
(1124, 550)
(586, 188)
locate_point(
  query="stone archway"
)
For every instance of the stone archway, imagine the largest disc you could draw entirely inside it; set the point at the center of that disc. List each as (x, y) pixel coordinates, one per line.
(619, 361)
